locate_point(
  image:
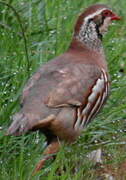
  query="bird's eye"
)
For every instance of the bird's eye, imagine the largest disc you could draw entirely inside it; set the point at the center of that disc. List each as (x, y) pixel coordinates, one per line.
(106, 13)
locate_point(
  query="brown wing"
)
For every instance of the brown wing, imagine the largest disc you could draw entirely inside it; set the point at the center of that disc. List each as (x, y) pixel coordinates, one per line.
(56, 84)
(72, 84)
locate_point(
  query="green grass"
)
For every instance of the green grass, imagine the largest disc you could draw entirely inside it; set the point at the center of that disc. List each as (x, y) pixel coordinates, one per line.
(48, 28)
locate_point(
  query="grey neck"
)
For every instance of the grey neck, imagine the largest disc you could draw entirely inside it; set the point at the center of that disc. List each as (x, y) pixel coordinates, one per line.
(88, 35)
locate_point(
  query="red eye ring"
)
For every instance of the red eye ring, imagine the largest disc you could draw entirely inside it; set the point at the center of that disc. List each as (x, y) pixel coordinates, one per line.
(107, 13)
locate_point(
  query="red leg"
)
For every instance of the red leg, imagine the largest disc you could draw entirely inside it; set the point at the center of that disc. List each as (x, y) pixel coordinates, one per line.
(49, 152)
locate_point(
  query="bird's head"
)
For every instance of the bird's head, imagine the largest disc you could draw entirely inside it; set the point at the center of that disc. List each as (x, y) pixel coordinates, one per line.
(97, 16)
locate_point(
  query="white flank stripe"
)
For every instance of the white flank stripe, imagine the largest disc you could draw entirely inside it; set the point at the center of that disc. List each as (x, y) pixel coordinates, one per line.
(77, 124)
(103, 97)
(83, 122)
(93, 110)
(105, 94)
(102, 101)
(92, 97)
(101, 87)
(85, 110)
(107, 83)
(105, 76)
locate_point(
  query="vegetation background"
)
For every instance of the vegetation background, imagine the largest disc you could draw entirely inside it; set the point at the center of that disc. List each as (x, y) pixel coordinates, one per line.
(48, 27)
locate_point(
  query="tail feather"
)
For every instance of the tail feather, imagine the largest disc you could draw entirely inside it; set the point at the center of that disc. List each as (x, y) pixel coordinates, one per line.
(19, 125)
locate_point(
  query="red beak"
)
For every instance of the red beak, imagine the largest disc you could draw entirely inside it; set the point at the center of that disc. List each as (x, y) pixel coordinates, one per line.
(115, 17)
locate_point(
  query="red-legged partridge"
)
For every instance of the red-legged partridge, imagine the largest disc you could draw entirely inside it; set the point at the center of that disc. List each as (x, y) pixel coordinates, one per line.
(66, 93)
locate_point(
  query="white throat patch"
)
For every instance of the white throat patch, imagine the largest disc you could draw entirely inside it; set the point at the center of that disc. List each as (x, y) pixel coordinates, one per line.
(88, 34)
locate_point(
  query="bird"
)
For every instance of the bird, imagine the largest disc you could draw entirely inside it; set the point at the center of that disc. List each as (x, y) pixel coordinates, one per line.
(63, 96)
